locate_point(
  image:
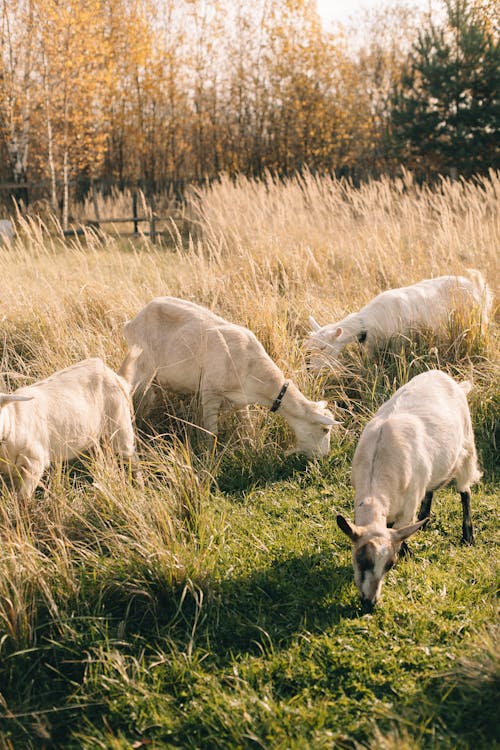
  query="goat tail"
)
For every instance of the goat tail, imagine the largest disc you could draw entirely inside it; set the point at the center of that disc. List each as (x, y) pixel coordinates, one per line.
(477, 278)
(126, 328)
(128, 367)
(484, 294)
(466, 386)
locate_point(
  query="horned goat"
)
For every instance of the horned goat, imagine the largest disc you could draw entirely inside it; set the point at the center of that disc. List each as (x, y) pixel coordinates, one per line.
(426, 304)
(418, 441)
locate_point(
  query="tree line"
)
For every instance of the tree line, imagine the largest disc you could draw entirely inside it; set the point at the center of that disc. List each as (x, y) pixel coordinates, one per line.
(164, 93)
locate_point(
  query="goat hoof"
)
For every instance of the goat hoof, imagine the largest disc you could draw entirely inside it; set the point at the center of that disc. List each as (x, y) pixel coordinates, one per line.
(469, 541)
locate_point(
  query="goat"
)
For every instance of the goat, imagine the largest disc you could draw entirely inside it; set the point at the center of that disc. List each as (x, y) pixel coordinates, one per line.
(418, 441)
(426, 304)
(64, 415)
(189, 349)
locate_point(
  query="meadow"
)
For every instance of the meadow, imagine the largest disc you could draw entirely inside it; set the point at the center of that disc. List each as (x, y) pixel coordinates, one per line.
(215, 606)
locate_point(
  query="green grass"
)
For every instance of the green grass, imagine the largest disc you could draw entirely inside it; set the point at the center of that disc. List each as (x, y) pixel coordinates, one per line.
(216, 607)
(266, 647)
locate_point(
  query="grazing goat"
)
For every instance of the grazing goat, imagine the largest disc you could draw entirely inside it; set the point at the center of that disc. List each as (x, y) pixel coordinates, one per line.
(427, 304)
(61, 417)
(417, 442)
(189, 349)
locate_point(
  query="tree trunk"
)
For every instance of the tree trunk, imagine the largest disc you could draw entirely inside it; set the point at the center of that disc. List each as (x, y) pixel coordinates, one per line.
(65, 208)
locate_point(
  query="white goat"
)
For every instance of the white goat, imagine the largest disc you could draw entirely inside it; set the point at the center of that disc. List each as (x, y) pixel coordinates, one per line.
(427, 304)
(59, 418)
(417, 442)
(189, 349)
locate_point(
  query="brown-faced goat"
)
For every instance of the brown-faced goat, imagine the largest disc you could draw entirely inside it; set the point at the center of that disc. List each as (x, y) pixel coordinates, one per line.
(418, 441)
(427, 304)
(189, 349)
(64, 415)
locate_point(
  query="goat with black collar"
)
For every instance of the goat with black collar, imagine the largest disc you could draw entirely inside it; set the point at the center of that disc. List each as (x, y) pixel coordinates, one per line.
(189, 349)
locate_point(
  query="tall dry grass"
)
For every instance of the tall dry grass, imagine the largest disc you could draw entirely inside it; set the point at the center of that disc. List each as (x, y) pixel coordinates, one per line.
(264, 254)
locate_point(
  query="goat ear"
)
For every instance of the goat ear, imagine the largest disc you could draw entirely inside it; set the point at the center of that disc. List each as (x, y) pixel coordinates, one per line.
(325, 419)
(338, 333)
(348, 528)
(314, 324)
(8, 398)
(399, 534)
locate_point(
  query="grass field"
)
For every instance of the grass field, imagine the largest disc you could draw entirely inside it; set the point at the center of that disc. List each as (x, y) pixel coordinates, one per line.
(215, 607)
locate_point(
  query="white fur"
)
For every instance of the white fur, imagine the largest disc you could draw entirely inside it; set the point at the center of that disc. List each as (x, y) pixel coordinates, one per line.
(419, 440)
(6, 231)
(189, 349)
(427, 304)
(61, 417)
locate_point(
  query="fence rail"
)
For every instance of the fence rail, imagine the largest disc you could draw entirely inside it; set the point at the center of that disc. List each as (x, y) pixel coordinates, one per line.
(148, 215)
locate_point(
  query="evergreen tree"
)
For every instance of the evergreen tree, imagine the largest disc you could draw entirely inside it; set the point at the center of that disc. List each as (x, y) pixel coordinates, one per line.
(446, 111)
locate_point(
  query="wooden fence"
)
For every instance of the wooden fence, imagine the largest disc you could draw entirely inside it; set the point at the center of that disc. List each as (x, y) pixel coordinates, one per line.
(148, 213)
(149, 216)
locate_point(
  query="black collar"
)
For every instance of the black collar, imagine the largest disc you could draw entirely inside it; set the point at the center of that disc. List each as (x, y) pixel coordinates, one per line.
(362, 337)
(277, 403)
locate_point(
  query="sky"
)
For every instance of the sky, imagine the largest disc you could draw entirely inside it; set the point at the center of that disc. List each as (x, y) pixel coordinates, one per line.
(340, 10)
